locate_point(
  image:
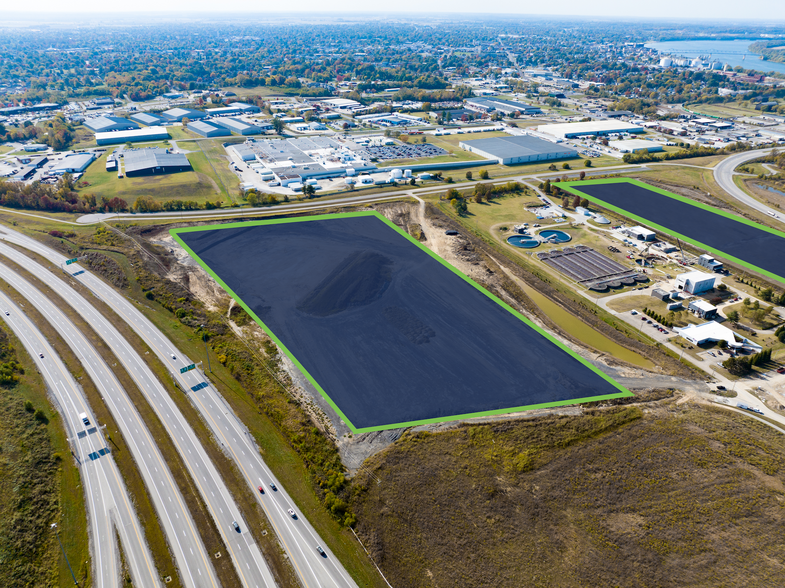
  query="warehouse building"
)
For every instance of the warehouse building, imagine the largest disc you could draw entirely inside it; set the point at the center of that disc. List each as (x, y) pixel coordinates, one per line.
(244, 152)
(712, 332)
(206, 129)
(178, 114)
(104, 124)
(234, 109)
(489, 105)
(154, 160)
(132, 136)
(636, 146)
(702, 308)
(639, 233)
(695, 282)
(520, 149)
(709, 262)
(74, 163)
(236, 126)
(148, 119)
(583, 129)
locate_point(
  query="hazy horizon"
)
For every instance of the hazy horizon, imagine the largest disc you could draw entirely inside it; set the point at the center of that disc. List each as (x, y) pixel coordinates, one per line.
(763, 12)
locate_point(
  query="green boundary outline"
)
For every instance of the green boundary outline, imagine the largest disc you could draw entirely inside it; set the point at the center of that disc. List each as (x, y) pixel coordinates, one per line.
(623, 392)
(573, 189)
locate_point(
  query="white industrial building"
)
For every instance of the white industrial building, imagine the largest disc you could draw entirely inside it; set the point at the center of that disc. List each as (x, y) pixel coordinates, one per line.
(636, 146)
(518, 149)
(709, 262)
(639, 233)
(134, 135)
(208, 129)
(104, 124)
(702, 308)
(595, 127)
(74, 163)
(234, 109)
(695, 282)
(712, 332)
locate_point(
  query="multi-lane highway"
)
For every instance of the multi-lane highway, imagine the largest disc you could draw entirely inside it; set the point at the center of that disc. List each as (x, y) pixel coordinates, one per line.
(189, 552)
(297, 536)
(108, 504)
(723, 175)
(246, 556)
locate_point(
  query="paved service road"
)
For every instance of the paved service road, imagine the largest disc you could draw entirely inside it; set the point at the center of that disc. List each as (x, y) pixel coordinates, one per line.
(298, 537)
(106, 498)
(251, 566)
(723, 175)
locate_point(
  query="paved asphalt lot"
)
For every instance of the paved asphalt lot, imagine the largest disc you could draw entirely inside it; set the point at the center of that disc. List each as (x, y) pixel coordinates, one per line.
(750, 244)
(390, 333)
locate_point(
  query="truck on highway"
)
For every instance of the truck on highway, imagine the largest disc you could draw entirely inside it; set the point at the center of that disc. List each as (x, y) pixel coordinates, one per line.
(84, 418)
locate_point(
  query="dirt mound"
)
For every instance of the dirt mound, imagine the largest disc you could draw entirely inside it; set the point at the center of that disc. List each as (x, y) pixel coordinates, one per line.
(358, 280)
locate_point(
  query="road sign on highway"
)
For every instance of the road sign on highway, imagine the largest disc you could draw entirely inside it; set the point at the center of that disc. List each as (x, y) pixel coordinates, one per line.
(70, 261)
(187, 368)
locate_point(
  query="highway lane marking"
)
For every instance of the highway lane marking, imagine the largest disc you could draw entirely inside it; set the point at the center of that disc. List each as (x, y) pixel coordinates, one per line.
(119, 311)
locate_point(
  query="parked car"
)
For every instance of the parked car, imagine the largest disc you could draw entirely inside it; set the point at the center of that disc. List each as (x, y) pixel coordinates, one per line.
(720, 387)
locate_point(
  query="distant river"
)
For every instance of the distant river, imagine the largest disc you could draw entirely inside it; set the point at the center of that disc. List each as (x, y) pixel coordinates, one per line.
(730, 52)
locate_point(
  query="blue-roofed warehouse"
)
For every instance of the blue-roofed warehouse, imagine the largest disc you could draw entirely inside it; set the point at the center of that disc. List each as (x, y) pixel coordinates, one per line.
(520, 149)
(104, 124)
(178, 114)
(208, 129)
(236, 126)
(234, 109)
(148, 119)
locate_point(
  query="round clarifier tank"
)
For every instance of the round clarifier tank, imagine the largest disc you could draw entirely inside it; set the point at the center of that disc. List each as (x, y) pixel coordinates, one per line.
(555, 236)
(522, 241)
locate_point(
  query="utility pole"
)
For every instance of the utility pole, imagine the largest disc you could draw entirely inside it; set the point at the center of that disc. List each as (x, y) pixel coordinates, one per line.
(54, 526)
(207, 353)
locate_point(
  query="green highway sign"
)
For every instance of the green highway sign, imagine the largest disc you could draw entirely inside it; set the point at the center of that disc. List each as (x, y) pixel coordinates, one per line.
(187, 368)
(70, 261)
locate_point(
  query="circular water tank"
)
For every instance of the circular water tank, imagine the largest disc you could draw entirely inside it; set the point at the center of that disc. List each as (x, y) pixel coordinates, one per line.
(407, 173)
(666, 62)
(396, 174)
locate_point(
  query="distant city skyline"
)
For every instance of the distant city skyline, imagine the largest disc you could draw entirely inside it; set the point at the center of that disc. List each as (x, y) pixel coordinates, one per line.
(752, 10)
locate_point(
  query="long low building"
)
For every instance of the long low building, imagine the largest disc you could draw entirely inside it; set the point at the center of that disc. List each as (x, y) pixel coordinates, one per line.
(103, 124)
(74, 163)
(132, 136)
(583, 129)
(489, 105)
(234, 109)
(636, 146)
(147, 118)
(208, 129)
(519, 149)
(178, 114)
(236, 126)
(154, 160)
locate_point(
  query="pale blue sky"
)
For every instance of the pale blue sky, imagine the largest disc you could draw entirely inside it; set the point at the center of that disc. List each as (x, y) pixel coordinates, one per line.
(759, 10)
